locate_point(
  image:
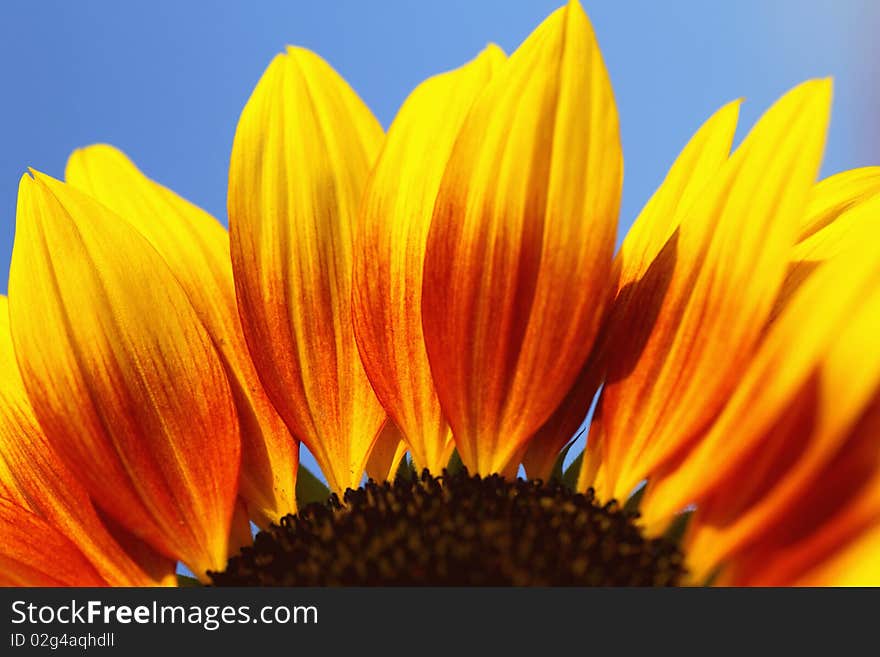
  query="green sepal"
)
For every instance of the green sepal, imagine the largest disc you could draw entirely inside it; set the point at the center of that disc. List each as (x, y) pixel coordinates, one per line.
(557, 474)
(634, 500)
(712, 577)
(406, 469)
(455, 465)
(570, 478)
(309, 489)
(185, 582)
(678, 526)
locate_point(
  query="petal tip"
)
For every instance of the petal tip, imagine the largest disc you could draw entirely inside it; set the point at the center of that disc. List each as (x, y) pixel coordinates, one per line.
(298, 54)
(81, 158)
(817, 91)
(25, 181)
(493, 51)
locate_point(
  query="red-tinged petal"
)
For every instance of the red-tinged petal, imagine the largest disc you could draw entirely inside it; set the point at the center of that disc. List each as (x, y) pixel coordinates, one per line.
(545, 446)
(122, 376)
(641, 272)
(794, 438)
(852, 564)
(728, 259)
(32, 475)
(390, 250)
(829, 536)
(841, 552)
(196, 248)
(519, 251)
(302, 152)
(34, 553)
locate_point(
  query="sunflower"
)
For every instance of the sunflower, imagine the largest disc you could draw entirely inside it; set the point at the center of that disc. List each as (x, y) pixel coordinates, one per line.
(438, 306)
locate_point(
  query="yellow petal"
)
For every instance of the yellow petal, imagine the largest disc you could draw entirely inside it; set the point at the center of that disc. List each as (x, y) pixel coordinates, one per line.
(851, 228)
(520, 245)
(696, 167)
(641, 271)
(796, 419)
(390, 250)
(842, 214)
(32, 475)
(836, 194)
(388, 452)
(302, 152)
(122, 376)
(34, 553)
(196, 248)
(680, 361)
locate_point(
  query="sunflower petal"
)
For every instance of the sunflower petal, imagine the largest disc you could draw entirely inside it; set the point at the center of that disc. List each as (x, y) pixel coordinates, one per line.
(196, 248)
(389, 254)
(841, 551)
(160, 570)
(32, 475)
(852, 564)
(730, 255)
(122, 376)
(823, 537)
(641, 269)
(520, 246)
(302, 152)
(544, 447)
(765, 463)
(387, 453)
(841, 217)
(860, 222)
(592, 469)
(836, 194)
(698, 165)
(34, 553)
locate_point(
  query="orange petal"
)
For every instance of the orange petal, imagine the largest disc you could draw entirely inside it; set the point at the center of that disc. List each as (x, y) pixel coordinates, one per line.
(545, 446)
(387, 453)
(196, 248)
(32, 475)
(520, 245)
(641, 271)
(592, 470)
(842, 551)
(668, 379)
(829, 535)
(34, 553)
(854, 563)
(302, 152)
(122, 376)
(390, 250)
(792, 440)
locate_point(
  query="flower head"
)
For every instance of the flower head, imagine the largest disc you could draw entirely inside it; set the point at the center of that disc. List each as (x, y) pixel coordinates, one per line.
(451, 290)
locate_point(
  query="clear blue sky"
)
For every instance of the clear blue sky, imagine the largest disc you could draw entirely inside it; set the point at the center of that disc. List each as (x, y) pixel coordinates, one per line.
(166, 80)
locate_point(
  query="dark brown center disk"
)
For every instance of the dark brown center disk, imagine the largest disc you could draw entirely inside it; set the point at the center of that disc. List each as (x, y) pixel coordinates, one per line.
(457, 530)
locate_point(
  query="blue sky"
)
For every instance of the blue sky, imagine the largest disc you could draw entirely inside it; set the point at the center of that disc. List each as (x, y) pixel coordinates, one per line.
(166, 80)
